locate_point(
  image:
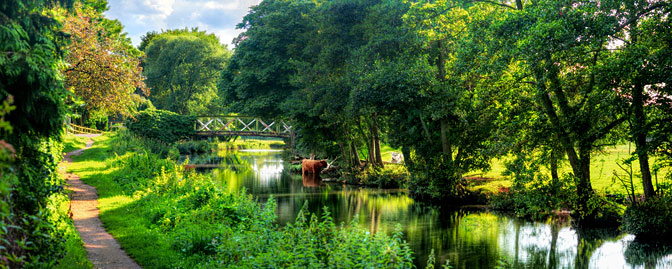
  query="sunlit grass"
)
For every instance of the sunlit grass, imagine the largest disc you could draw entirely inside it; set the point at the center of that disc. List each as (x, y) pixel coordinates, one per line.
(252, 144)
(72, 142)
(602, 167)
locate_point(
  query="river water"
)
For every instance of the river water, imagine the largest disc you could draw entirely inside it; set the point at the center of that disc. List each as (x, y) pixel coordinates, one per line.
(463, 237)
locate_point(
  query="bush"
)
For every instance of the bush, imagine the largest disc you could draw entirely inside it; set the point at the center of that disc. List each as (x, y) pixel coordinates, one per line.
(125, 141)
(651, 218)
(536, 200)
(196, 147)
(392, 176)
(434, 179)
(162, 125)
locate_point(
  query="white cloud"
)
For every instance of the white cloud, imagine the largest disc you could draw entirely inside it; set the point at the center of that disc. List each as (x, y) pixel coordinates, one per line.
(218, 17)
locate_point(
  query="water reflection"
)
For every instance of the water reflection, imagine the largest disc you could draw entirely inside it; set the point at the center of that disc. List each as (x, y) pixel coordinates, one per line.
(467, 238)
(312, 180)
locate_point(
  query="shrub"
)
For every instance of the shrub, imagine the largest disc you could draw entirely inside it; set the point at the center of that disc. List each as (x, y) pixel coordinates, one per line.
(162, 125)
(125, 141)
(196, 147)
(651, 218)
(434, 179)
(392, 176)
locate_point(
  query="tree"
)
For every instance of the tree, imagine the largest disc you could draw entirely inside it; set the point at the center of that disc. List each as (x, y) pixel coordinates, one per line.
(639, 68)
(558, 49)
(258, 79)
(102, 71)
(30, 62)
(182, 68)
(458, 115)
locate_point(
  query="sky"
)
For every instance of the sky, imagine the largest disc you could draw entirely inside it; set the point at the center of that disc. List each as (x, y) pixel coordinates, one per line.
(214, 16)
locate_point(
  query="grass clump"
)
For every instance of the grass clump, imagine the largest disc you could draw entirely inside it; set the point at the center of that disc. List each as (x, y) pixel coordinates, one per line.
(167, 218)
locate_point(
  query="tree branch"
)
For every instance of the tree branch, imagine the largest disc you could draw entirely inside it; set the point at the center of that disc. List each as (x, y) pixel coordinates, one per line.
(496, 3)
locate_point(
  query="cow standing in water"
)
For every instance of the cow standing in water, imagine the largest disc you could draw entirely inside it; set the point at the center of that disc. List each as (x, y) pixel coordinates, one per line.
(313, 166)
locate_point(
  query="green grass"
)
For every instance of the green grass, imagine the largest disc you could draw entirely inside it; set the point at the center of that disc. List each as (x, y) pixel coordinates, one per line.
(72, 142)
(163, 217)
(252, 144)
(602, 167)
(75, 254)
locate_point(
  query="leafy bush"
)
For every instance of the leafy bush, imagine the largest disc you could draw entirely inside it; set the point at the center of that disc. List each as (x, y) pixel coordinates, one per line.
(126, 141)
(536, 200)
(651, 218)
(533, 195)
(434, 179)
(392, 176)
(162, 125)
(196, 147)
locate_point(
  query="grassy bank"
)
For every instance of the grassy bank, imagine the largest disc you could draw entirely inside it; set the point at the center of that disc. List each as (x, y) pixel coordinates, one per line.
(166, 218)
(603, 165)
(251, 144)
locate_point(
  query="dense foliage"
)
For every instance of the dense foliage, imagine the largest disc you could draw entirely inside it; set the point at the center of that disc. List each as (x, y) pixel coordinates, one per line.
(162, 125)
(182, 68)
(454, 84)
(650, 219)
(32, 91)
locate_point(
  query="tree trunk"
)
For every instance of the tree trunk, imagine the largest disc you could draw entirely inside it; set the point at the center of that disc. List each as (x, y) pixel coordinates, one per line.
(583, 187)
(376, 142)
(639, 132)
(554, 165)
(407, 155)
(444, 139)
(355, 155)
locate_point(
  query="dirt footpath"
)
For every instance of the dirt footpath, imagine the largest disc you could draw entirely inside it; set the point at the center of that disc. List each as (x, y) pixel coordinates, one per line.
(102, 249)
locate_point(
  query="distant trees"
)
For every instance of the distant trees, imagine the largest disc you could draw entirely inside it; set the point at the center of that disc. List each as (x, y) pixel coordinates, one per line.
(182, 68)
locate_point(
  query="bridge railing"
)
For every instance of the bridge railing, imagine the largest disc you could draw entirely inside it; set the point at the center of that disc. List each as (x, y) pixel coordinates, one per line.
(239, 125)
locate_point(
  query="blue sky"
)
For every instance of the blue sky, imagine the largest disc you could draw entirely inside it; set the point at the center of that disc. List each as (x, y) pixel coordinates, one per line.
(218, 17)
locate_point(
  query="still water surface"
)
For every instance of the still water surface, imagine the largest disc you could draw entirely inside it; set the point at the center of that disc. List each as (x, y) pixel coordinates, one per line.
(466, 238)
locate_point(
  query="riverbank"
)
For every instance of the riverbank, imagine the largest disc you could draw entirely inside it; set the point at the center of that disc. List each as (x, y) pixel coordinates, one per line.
(165, 217)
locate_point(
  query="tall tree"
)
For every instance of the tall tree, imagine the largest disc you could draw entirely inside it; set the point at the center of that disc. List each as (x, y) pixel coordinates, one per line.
(258, 79)
(558, 48)
(102, 70)
(639, 67)
(182, 68)
(458, 116)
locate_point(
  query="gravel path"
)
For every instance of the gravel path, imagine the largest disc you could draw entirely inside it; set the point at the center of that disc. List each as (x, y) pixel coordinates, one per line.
(102, 249)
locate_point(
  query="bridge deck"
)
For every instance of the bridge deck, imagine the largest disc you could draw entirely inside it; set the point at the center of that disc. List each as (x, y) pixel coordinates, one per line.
(242, 126)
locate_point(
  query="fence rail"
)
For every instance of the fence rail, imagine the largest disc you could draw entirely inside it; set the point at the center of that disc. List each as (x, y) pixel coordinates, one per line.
(76, 129)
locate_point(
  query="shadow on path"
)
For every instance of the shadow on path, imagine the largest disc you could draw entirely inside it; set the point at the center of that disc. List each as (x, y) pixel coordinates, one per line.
(102, 249)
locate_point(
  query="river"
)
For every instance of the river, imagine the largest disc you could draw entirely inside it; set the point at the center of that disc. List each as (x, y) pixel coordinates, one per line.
(465, 237)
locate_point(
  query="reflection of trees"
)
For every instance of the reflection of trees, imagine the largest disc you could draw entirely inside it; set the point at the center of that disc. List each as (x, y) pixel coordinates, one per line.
(649, 254)
(589, 240)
